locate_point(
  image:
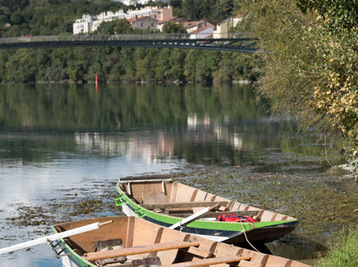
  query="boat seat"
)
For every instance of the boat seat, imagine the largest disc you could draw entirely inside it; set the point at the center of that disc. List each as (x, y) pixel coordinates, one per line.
(190, 204)
(99, 255)
(201, 253)
(107, 245)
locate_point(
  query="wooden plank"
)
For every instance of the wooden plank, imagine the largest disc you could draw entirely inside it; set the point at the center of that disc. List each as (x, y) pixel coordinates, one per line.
(200, 252)
(144, 180)
(157, 239)
(178, 210)
(238, 212)
(100, 255)
(229, 206)
(130, 231)
(173, 193)
(194, 195)
(163, 188)
(189, 204)
(214, 214)
(210, 261)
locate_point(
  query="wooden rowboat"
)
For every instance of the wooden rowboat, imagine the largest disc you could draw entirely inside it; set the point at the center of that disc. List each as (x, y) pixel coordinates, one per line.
(130, 241)
(166, 203)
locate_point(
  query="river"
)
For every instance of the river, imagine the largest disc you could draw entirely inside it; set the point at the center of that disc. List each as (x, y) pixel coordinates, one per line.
(62, 148)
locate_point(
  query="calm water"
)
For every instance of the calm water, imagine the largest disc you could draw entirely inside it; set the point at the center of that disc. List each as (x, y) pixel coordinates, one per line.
(55, 137)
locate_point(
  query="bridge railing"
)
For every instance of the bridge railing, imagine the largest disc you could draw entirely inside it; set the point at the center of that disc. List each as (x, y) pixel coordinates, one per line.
(123, 37)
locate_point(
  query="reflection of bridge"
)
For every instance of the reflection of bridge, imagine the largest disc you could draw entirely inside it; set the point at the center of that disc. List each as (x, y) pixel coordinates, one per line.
(229, 42)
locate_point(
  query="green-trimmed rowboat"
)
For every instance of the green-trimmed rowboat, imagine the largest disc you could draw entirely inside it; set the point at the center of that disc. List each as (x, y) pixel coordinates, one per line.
(167, 203)
(129, 241)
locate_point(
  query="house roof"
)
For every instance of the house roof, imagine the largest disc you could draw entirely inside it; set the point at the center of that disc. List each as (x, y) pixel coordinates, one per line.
(200, 23)
(174, 19)
(201, 29)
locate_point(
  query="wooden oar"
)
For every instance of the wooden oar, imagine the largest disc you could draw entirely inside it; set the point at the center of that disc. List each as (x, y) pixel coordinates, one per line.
(99, 255)
(49, 238)
(193, 217)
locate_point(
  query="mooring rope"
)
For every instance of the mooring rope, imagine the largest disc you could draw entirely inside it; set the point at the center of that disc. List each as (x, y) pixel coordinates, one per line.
(247, 240)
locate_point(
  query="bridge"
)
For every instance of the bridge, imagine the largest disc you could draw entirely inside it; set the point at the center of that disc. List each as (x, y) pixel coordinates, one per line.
(234, 42)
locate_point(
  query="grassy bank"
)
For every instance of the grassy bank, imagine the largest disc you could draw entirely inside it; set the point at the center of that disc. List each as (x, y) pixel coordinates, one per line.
(344, 250)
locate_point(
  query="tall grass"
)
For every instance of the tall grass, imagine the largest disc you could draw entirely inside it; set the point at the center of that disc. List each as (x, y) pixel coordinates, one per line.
(343, 252)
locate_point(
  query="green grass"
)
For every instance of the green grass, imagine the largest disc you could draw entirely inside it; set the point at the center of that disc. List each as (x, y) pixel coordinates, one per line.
(343, 252)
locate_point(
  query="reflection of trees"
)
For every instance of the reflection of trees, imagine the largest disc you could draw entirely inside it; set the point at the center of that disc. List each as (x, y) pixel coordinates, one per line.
(220, 124)
(115, 107)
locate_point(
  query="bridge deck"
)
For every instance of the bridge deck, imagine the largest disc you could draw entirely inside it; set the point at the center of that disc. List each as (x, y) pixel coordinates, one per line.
(229, 43)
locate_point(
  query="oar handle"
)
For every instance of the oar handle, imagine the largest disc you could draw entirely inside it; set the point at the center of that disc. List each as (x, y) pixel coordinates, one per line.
(104, 223)
(49, 238)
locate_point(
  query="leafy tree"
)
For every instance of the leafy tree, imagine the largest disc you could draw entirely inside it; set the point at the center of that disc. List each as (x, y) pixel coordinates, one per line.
(172, 27)
(176, 3)
(162, 67)
(191, 9)
(339, 14)
(117, 26)
(309, 64)
(16, 18)
(176, 65)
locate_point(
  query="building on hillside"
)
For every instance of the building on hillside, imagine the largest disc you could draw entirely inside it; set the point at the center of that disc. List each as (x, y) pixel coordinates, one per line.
(143, 2)
(83, 25)
(173, 19)
(192, 26)
(145, 23)
(189, 26)
(159, 13)
(202, 33)
(223, 28)
(236, 20)
(109, 15)
(89, 24)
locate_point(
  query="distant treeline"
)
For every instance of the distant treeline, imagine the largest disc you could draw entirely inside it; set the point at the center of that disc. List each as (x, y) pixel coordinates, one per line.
(122, 64)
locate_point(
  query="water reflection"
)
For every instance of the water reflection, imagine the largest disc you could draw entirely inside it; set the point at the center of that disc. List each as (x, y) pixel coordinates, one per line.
(297, 248)
(211, 125)
(153, 147)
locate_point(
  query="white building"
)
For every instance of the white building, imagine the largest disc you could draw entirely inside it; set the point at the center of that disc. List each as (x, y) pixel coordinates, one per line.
(143, 2)
(202, 33)
(154, 12)
(223, 28)
(89, 23)
(83, 25)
